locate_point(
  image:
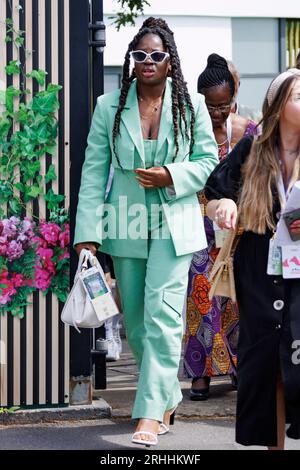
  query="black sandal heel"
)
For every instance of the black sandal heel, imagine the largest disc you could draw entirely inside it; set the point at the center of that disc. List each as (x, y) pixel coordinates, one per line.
(172, 418)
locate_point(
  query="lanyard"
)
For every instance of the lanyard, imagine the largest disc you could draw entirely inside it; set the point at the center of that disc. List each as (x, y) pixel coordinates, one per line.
(284, 192)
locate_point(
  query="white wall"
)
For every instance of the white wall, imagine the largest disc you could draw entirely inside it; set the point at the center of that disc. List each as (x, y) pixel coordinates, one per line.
(195, 37)
(232, 8)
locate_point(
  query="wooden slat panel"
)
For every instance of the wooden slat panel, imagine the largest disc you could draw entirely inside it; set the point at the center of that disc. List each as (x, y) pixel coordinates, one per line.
(3, 362)
(3, 319)
(36, 388)
(29, 309)
(16, 322)
(42, 214)
(55, 307)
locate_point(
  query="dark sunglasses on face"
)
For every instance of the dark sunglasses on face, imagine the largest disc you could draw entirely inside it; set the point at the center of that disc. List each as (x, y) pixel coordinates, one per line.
(156, 56)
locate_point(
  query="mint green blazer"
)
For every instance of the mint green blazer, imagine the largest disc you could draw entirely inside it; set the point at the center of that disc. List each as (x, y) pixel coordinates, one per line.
(189, 174)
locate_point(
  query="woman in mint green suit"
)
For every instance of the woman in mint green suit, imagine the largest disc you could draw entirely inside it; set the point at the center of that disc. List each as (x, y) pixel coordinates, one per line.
(161, 145)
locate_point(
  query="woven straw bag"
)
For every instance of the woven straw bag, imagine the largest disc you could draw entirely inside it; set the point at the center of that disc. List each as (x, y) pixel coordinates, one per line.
(222, 276)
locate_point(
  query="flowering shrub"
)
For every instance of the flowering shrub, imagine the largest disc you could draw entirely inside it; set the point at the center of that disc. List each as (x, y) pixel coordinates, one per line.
(52, 269)
(32, 257)
(17, 262)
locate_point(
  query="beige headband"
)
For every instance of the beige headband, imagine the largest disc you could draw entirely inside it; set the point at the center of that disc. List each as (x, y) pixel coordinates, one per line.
(278, 81)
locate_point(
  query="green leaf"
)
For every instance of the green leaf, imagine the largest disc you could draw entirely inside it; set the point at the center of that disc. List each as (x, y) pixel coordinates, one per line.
(51, 174)
(21, 115)
(51, 150)
(8, 39)
(15, 206)
(11, 93)
(42, 134)
(52, 199)
(45, 104)
(19, 41)
(19, 186)
(12, 409)
(53, 88)
(31, 168)
(13, 67)
(32, 192)
(5, 125)
(39, 75)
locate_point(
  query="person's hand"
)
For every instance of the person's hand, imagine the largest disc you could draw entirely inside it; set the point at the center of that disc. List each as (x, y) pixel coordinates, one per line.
(88, 246)
(295, 226)
(155, 177)
(226, 214)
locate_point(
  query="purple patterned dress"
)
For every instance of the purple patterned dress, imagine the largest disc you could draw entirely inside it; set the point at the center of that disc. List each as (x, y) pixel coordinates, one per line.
(211, 327)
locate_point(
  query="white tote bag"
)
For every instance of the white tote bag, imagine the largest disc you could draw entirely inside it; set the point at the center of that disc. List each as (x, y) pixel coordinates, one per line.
(88, 305)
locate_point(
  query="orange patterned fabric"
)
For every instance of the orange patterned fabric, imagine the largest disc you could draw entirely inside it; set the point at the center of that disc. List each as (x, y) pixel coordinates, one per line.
(200, 294)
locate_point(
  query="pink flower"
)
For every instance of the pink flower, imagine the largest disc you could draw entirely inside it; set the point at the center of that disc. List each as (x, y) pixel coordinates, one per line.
(4, 298)
(10, 227)
(3, 276)
(64, 237)
(14, 250)
(1, 226)
(50, 232)
(3, 246)
(7, 293)
(42, 278)
(39, 242)
(46, 255)
(18, 280)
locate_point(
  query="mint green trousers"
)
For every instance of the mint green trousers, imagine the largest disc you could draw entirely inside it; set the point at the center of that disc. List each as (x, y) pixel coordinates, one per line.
(152, 295)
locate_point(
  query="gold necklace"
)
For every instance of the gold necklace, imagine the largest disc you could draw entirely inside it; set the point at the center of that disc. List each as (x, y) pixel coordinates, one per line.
(154, 107)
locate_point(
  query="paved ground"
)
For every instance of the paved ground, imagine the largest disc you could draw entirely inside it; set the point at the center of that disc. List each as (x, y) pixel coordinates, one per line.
(187, 434)
(121, 385)
(199, 426)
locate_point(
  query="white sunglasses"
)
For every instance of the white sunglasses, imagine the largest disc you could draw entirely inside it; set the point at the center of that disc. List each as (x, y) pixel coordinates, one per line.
(156, 56)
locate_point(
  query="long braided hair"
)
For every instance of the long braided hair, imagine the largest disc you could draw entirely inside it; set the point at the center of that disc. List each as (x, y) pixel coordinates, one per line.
(216, 73)
(180, 95)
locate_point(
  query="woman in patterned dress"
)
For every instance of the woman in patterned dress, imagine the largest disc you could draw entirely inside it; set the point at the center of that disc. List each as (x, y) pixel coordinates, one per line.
(212, 327)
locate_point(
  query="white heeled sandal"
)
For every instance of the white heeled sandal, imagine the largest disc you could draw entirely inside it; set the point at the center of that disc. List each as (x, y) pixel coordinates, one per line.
(145, 442)
(163, 428)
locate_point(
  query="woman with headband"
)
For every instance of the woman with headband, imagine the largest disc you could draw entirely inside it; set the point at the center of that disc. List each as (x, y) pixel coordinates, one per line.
(257, 177)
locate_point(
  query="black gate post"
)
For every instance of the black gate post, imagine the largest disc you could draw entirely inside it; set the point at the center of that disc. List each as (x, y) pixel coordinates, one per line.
(80, 95)
(97, 50)
(86, 72)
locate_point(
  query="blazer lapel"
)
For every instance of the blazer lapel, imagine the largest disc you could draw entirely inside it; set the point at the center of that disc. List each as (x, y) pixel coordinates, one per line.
(131, 119)
(166, 120)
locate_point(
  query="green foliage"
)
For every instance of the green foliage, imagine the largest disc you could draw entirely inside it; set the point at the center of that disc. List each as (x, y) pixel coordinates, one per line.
(130, 10)
(60, 284)
(12, 409)
(28, 136)
(28, 132)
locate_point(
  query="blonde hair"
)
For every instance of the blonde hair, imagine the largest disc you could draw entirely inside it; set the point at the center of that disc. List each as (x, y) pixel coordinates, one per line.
(261, 171)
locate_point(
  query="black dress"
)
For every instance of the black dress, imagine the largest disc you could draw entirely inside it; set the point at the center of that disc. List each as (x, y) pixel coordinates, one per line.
(269, 309)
